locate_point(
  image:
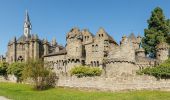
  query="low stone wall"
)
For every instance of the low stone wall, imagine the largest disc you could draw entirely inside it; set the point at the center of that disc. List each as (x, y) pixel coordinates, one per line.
(116, 83)
(9, 78)
(111, 84)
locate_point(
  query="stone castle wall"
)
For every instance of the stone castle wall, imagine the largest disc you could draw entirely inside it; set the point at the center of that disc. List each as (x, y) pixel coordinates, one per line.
(115, 83)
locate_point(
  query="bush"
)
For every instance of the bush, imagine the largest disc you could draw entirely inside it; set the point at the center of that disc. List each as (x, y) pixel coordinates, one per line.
(42, 76)
(3, 68)
(161, 71)
(85, 71)
(16, 69)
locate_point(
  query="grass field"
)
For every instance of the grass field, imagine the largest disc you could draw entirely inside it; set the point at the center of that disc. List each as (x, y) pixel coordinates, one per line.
(25, 92)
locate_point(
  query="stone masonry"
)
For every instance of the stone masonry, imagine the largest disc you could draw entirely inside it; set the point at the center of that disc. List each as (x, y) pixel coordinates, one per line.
(119, 62)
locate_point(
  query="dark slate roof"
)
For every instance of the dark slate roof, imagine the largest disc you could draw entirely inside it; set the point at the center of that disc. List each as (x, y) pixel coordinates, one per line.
(22, 38)
(132, 36)
(61, 52)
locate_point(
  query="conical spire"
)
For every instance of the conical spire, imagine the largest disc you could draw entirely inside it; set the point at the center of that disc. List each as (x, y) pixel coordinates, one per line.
(27, 20)
(27, 25)
(27, 16)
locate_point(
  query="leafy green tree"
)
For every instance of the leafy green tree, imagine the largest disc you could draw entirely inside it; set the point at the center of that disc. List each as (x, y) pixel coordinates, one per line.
(160, 71)
(16, 69)
(158, 31)
(3, 68)
(42, 76)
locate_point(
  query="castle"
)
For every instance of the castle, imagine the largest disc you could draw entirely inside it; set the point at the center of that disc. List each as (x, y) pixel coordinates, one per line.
(84, 48)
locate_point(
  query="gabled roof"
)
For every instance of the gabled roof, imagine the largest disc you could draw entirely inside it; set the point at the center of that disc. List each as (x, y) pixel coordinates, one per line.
(110, 38)
(132, 36)
(86, 30)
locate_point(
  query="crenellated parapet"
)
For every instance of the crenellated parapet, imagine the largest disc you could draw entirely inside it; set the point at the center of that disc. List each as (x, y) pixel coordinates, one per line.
(162, 51)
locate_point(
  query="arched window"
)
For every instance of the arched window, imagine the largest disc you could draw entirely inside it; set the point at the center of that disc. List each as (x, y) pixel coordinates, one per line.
(20, 58)
(94, 63)
(93, 48)
(91, 63)
(97, 63)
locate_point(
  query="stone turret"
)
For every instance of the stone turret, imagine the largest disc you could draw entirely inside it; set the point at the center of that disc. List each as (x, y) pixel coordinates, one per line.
(74, 43)
(139, 39)
(14, 49)
(140, 52)
(36, 47)
(46, 46)
(162, 51)
(26, 49)
(74, 48)
(121, 60)
(53, 42)
(135, 40)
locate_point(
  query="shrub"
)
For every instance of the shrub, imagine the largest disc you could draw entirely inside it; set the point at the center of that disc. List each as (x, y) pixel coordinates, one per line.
(85, 71)
(42, 76)
(160, 71)
(3, 68)
(16, 69)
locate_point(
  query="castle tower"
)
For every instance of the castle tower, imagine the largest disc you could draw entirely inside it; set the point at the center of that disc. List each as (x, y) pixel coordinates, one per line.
(139, 39)
(36, 47)
(140, 52)
(31, 45)
(162, 51)
(74, 43)
(14, 49)
(45, 46)
(26, 49)
(74, 49)
(135, 40)
(27, 25)
(53, 42)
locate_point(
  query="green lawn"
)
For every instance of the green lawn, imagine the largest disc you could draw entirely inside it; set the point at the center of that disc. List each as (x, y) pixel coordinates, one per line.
(25, 92)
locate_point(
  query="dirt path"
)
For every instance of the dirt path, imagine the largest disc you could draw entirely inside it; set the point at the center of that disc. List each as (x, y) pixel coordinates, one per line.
(3, 98)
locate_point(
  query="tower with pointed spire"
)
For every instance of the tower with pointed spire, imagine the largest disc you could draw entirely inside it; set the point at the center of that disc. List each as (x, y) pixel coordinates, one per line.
(28, 45)
(27, 25)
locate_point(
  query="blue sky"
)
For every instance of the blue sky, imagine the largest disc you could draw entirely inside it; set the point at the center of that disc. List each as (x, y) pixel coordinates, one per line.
(54, 18)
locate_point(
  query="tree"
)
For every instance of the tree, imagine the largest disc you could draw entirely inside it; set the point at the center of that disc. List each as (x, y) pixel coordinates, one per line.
(158, 31)
(161, 71)
(42, 76)
(16, 69)
(3, 68)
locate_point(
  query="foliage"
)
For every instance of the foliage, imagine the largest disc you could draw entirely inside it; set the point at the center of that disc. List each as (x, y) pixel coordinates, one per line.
(42, 76)
(161, 71)
(158, 31)
(24, 92)
(3, 68)
(16, 69)
(86, 71)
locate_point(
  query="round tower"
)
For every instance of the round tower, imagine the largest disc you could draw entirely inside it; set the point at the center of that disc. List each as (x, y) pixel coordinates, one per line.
(74, 43)
(162, 51)
(46, 46)
(14, 49)
(140, 52)
(36, 47)
(53, 42)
